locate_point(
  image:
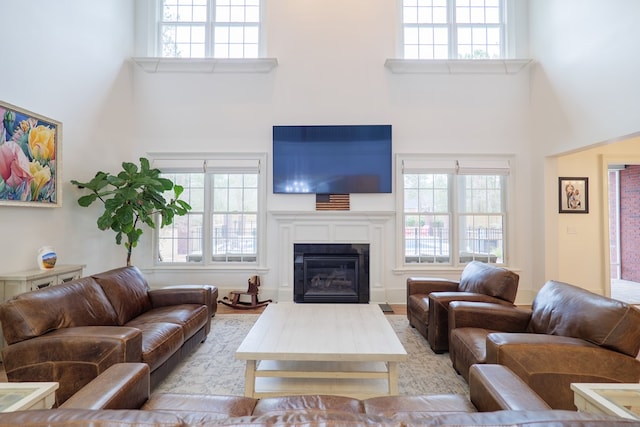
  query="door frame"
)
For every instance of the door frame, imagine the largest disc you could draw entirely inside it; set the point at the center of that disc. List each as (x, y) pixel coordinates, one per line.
(610, 159)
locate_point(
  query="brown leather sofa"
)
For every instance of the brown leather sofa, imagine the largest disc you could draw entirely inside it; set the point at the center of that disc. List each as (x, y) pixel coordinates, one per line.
(120, 397)
(70, 333)
(569, 335)
(428, 298)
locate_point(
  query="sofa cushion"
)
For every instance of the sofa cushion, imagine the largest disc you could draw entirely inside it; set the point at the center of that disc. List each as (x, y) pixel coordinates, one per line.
(90, 418)
(478, 277)
(570, 311)
(466, 348)
(306, 404)
(201, 406)
(159, 342)
(78, 303)
(544, 418)
(427, 406)
(191, 317)
(127, 290)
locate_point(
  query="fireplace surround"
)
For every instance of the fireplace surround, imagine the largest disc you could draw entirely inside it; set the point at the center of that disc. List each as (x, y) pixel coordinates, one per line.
(331, 273)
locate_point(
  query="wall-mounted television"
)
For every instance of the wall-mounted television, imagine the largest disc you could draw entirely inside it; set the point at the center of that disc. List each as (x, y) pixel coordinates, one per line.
(332, 159)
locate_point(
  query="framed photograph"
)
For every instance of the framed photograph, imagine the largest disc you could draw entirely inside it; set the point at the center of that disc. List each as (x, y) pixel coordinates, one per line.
(573, 195)
(30, 166)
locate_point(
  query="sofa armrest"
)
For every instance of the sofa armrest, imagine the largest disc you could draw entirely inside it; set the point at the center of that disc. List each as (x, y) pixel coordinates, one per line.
(497, 317)
(71, 356)
(426, 285)
(496, 388)
(121, 386)
(438, 316)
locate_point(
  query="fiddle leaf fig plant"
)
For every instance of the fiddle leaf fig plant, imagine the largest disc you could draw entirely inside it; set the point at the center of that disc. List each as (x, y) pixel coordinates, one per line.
(132, 198)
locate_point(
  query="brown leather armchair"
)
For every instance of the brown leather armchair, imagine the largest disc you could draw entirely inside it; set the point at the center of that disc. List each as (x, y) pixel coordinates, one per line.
(428, 298)
(569, 335)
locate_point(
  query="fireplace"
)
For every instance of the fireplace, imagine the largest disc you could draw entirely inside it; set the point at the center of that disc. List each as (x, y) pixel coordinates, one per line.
(331, 273)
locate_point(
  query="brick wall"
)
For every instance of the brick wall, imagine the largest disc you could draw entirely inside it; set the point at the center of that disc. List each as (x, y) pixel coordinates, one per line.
(630, 223)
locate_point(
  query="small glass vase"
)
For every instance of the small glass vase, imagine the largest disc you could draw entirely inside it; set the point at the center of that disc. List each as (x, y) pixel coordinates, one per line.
(47, 258)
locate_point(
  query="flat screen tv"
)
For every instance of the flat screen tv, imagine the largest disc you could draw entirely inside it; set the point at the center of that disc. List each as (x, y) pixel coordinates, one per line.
(340, 159)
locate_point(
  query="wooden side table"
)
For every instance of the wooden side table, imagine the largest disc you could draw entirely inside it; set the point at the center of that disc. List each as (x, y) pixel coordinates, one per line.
(12, 284)
(621, 399)
(24, 396)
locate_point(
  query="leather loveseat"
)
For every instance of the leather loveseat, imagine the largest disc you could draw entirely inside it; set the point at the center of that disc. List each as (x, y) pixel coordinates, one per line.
(120, 397)
(428, 298)
(569, 335)
(70, 333)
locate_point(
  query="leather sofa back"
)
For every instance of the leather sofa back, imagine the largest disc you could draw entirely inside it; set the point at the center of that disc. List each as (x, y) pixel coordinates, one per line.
(570, 311)
(133, 418)
(127, 290)
(78, 303)
(480, 278)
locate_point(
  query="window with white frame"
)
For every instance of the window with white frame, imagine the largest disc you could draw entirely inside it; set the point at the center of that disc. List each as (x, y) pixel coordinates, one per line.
(453, 29)
(209, 28)
(454, 211)
(223, 226)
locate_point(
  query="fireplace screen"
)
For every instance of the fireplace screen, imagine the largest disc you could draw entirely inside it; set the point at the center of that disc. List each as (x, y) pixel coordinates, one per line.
(331, 273)
(328, 275)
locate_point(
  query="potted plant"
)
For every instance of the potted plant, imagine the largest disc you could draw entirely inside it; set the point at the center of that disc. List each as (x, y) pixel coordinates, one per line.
(131, 198)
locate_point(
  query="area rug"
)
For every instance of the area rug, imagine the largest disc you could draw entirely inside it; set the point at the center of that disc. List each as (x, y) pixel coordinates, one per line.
(213, 368)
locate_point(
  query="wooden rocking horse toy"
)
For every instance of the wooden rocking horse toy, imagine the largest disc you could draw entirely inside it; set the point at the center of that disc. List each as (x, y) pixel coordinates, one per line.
(233, 300)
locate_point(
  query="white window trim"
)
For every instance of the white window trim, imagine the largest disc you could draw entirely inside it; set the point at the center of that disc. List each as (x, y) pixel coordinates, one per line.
(449, 163)
(147, 15)
(205, 65)
(175, 161)
(457, 66)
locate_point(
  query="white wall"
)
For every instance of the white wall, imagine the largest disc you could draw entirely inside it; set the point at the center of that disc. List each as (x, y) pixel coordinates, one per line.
(586, 83)
(331, 70)
(65, 60)
(584, 93)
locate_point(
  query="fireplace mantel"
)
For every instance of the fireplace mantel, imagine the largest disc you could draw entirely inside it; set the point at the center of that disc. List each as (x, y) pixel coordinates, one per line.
(369, 227)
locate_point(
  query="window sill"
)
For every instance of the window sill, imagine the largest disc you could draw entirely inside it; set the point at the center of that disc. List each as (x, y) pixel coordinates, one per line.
(457, 66)
(205, 65)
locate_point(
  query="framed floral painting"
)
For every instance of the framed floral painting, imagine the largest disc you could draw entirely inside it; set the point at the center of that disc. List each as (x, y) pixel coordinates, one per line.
(30, 148)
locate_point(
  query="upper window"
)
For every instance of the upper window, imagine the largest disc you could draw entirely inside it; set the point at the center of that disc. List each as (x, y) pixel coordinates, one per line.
(209, 28)
(454, 212)
(223, 226)
(453, 29)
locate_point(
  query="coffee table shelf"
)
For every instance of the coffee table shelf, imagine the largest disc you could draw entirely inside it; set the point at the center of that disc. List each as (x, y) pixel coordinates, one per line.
(354, 379)
(358, 389)
(310, 369)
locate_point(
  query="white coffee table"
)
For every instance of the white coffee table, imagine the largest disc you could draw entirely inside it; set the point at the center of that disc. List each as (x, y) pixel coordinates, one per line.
(29, 395)
(341, 349)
